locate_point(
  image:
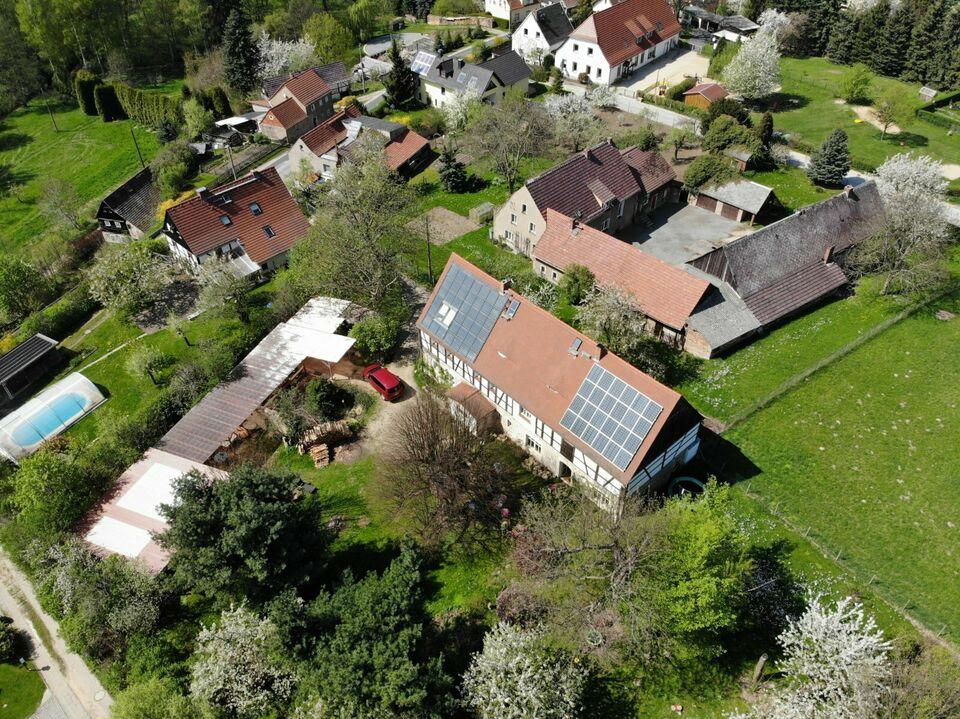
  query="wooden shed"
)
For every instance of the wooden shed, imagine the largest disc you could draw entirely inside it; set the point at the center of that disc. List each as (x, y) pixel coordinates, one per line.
(704, 94)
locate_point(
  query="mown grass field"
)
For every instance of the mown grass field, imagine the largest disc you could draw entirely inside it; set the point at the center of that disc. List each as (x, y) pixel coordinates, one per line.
(792, 186)
(20, 691)
(863, 454)
(92, 155)
(812, 84)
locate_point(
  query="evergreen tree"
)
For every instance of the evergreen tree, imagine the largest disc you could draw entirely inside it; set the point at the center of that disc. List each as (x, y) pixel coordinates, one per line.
(888, 51)
(842, 45)
(871, 24)
(765, 129)
(924, 41)
(824, 18)
(241, 56)
(401, 82)
(944, 64)
(831, 163)
(556, 83)
(453, 173)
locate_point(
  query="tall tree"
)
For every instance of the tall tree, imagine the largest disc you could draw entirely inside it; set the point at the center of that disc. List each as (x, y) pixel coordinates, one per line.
(401, 82)
(331, 39)
(872, 22)
(889, 47)
(241, 56)
(945, 67)
(841, 47)
(921, 59)
(20, 75)
(754, 72)
(831, 162)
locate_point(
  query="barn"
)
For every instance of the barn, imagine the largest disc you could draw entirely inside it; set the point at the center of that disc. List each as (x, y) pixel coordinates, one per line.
(740, 200)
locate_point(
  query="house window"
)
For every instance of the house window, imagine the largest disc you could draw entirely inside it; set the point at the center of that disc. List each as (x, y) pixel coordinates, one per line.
(523, 208)
(513, 219)
(525, 31)
(225, 220)
(598, 72)
(446, 314)
(606, 224)
(575, 47)
(589, 51)
(255, 208)
(523, 412)
(537, 34)
(268, 231)
(532, 444)
(620, 210)
(533, 227)
(506, 234)
(587, 69)
(574, 67)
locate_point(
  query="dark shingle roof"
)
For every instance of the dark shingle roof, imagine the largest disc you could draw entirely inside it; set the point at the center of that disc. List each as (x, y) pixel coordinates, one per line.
(554, 24)
(25, 354)
(334, 74)
(566, 188)
(508, 68)
(795, 291)
(651, 168)
(136, 200)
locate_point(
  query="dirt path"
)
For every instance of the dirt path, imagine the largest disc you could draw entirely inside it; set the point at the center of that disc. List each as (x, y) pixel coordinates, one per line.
(73, 686)
(867, 114)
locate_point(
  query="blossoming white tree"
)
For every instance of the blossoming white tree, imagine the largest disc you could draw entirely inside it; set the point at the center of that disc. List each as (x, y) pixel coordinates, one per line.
(908, 173)
(280, 56)
(754, 71)
(773, 21)
(573, 118)
(515, 677)
(236, 668)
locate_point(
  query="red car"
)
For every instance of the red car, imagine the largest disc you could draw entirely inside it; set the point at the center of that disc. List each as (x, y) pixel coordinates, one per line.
(387, 384)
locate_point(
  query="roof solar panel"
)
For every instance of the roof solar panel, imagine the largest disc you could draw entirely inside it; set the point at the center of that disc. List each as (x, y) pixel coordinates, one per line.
(610, 416)
(423, 62)
(477, 306)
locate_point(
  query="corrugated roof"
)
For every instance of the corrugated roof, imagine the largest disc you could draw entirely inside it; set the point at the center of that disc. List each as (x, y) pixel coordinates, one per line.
(664, 292)
(629, 28)
(306, 87)
(24, 355)
(199, 223)
(397, 152)
(285, 114)
(566, 187)
(529, 357)
(795, 291)
(329, 133)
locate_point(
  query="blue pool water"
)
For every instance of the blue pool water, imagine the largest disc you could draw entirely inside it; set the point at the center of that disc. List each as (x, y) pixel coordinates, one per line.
(49, 420)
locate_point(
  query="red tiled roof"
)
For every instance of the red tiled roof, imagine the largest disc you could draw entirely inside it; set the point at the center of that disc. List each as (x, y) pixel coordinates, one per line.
(329, 133)
(652, 169)
(710, 90)
(567, 187)
(400, 151)
(198, 219)
(307, 87)
(529, 358)
(622, 30)
(664, 292)
(285, 114)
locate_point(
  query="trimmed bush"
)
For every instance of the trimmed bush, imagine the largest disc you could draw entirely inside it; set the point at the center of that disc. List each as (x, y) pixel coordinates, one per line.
(149, 108)
(708, 169)
(84, 83)
(675, 92)
(62, 318)
(375, 336)
(681, 107)
(108, 106)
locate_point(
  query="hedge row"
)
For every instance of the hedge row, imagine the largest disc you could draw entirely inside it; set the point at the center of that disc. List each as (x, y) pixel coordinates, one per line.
(108, 106)
(62, 318)
(84, 84)
(149, 108)
(681, 107)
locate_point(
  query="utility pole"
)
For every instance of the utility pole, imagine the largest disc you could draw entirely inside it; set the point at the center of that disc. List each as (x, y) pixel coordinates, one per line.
(233, 167)
(52, 118)
(426, 232)
(137, 145)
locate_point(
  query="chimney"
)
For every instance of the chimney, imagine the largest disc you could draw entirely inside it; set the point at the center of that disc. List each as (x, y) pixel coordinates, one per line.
(460, 62)
(505, 284)
(257, 175)
(601, 350)
(828, 254)
(847, 190)
(203, 193)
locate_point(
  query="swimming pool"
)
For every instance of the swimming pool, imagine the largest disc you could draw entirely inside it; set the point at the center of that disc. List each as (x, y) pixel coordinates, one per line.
(47, 415)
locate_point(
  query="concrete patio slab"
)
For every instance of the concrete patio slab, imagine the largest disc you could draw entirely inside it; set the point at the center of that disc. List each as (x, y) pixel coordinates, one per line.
(681, 232)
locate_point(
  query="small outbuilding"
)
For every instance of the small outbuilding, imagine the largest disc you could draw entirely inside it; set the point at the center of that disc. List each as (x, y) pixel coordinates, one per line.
(740, 200)
(469, 405)
(25, 363)
(704, 94)
(129, 211)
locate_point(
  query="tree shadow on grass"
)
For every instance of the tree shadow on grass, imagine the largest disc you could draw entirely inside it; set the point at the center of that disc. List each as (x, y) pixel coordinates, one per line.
(905, 139)
(13, 140)
(10, 177)
(780, 102)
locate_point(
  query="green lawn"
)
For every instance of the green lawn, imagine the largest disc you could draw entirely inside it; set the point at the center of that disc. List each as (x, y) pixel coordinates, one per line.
(792, 186)
(728, 386)
(477, 248)
(864, 455)
(813, 82)
(20, 691)
(93, 155)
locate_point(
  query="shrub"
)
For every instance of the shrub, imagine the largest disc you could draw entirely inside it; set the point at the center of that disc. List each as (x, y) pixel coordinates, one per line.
(855, 85)
(725, 132)
(84, 83)
(726, 106)
(707, 169)
(675, 93)
(577, 282)
(108, 105)
(327, 400)
(548, 62)
(375, 336)
(172, 179)
(62, 318)
(428, 123)
(149, 108)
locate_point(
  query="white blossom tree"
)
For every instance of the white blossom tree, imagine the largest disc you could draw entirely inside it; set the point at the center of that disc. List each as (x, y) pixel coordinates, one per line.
(602, 96)
(236, 666)
(909, 251)
(280, 56)
(573, 118)
(459, 109)
(515, 677)
(773, 21)
(754, 71)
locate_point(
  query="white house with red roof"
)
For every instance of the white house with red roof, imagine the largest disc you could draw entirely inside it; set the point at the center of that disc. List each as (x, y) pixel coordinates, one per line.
(325, 147)
(251, 223)
(301, 103)
(611, 44)
(513, 11)
(582, 412)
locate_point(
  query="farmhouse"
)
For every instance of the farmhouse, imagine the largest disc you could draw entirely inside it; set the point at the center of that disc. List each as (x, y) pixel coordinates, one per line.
(780, 270)
(251, 223)
(129, 211)
(513, 11)
(580, 411)
(324, 147)
(334, 74)
(542, 32)
(740, 200)
(612, 43)
(667, 295)
(444, 78)
(301, 103)
(704, 94)
(602, 186)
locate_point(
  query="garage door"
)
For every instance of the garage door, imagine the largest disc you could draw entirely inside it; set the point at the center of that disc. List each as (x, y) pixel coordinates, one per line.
(707, 203)
(730, 212)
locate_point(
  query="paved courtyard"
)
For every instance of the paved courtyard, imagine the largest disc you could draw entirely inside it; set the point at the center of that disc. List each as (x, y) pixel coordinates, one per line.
(681, 232)
(668, 70)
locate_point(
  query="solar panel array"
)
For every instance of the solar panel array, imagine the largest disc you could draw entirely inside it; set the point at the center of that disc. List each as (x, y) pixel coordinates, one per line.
(423, 62)
(610, 416)
(476, 307)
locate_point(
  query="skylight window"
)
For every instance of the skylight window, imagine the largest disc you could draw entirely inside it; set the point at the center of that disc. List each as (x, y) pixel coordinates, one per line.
(268, 231)
(255, 208)
(225, 220)
(446, 314)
